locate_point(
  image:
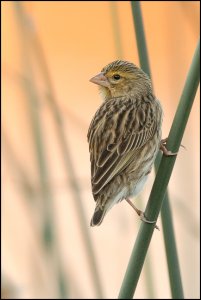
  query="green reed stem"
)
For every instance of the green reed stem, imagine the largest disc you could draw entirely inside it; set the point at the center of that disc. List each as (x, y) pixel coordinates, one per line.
(140, 37)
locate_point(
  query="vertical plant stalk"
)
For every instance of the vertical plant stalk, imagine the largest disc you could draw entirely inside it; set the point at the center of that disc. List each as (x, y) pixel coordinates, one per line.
(32, 97)
(70, 172)
(162, 179)
(166, 216)
(140, 37)
(170, 246)
(30, 88)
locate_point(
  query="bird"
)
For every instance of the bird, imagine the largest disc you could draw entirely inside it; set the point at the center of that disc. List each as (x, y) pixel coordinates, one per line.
(124, 136)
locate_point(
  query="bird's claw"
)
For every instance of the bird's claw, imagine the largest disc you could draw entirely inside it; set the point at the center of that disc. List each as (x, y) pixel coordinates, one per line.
(165, 151)
(141, 214)
(144, 219)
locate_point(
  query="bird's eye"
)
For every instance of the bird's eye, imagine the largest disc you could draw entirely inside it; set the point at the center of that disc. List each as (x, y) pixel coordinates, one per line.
(116, 76)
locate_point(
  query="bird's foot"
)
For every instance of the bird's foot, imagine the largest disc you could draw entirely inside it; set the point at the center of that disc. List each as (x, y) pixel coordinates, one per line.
(165, 151)
(141, 214)
(144, 219)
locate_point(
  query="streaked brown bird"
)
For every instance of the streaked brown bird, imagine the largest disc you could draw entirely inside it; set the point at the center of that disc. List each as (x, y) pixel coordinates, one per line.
(124, 136)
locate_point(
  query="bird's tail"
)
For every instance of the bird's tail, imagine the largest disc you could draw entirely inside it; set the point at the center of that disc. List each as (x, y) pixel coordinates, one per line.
(98, 216)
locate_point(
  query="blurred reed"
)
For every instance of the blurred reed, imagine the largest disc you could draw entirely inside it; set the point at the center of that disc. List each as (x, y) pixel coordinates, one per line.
(23, 182)
(31, 37)
(163, 175)
(48, 237)
(116, 29)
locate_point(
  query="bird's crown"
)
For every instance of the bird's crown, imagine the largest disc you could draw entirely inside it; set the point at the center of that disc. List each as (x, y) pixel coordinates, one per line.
(120, 65)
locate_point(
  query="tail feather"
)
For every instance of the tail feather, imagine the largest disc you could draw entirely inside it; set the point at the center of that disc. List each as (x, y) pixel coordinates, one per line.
(98, 216)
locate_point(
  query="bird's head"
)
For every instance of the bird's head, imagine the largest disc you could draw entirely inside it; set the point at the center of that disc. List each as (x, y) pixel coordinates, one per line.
(121, 78)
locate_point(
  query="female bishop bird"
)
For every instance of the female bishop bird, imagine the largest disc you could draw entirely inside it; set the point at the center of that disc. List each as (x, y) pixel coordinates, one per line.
(124, 136)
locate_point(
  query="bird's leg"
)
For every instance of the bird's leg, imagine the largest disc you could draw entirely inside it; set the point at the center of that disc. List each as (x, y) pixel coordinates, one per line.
(165, 151)
(141, 213)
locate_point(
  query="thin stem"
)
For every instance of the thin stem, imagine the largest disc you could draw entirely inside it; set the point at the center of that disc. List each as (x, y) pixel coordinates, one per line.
(171, 249)
(140, 37)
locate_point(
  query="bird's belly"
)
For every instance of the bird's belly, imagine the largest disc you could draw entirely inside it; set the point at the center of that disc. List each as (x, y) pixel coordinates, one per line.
(128, 191)
(119, 196)
(137, 188)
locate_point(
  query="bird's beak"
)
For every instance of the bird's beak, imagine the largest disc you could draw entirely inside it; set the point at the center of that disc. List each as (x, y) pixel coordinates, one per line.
(100, 79)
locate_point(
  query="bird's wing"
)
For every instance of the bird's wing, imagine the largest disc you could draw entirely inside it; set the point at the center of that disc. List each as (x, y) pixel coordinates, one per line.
(117, 132)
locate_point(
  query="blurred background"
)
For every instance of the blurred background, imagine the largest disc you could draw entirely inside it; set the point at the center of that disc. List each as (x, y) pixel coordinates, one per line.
(50, 50)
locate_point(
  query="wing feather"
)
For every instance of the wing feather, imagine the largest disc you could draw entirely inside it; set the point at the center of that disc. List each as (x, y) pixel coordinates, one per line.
(118, 130)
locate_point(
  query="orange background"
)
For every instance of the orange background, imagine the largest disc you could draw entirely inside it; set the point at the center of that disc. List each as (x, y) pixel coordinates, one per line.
(78, 39)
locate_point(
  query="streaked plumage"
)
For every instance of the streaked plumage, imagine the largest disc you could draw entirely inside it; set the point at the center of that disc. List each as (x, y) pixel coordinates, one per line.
(124, 135)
